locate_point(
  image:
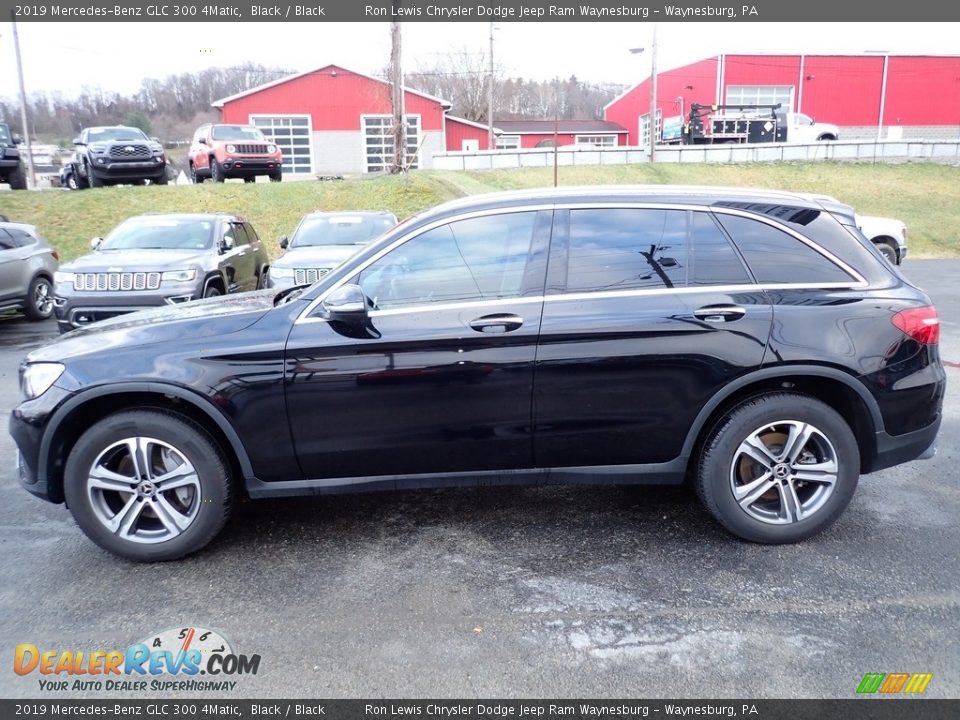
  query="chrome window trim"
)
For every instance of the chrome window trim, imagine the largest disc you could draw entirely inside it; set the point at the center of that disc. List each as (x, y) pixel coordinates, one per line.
(858, 281)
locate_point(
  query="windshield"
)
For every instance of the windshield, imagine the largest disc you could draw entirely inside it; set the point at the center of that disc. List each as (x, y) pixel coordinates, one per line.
(108, 134)
(340, 230)
(237, 132)
(161, 234)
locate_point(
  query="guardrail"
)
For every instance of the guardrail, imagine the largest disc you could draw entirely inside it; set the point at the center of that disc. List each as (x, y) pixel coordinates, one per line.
(855, 150)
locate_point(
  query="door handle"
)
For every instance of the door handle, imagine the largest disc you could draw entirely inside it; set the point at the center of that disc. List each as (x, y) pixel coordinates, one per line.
(498, 323)
(719, 313)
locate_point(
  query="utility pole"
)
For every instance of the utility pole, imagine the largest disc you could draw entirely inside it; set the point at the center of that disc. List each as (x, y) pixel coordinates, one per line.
(23, 105)
(653, 94)
(399, 121)
(490, 142)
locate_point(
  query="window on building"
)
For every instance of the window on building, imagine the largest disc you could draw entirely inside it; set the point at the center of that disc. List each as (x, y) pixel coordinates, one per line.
(508, 142)
(761, 95)
(291, 133)
(378, 142)
(597, 140)
(645, 128)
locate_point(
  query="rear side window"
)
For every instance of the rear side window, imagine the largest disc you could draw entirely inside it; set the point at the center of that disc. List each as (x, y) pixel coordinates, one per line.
(713, 260)
(777, 257)
(625, 249)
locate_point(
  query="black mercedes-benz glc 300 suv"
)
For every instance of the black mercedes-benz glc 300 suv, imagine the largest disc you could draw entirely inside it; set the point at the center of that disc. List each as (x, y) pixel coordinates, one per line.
(752, 342)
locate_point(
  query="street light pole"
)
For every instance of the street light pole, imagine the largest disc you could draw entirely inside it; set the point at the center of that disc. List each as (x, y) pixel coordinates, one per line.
(653, 94)
(490, 145)
(23, 105)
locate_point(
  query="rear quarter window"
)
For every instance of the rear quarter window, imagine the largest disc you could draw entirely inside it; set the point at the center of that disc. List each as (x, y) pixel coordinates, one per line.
(775, 256)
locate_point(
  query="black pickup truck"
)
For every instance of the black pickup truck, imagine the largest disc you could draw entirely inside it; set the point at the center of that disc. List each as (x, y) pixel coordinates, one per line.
(11, 169)
(118, 155)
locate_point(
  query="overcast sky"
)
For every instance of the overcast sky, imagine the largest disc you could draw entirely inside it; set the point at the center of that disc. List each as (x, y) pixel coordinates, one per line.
(65, 57)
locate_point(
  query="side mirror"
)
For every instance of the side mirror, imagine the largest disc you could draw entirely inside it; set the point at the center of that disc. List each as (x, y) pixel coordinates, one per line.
(813, 121)
(284, 242)
(17, 139)
(346, 303)
(202, 141)
(226, 244)
(156, 140)
(95, 243)
(77, 141)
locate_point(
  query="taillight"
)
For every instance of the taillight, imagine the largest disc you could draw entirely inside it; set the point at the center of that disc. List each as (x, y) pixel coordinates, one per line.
(921, 324)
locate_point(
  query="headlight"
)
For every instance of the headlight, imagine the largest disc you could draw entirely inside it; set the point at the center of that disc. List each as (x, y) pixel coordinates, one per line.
(281, 273)
(64, 278)
(271, 149)
(36, 378)
(156, 147)
(98, 148)
(231, 148)
(179, 275)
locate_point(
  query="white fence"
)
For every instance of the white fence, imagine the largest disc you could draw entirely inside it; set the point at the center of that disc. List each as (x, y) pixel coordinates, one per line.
(860, 150)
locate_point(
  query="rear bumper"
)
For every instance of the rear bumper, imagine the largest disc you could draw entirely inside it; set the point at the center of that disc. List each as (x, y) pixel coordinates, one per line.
(896, 449)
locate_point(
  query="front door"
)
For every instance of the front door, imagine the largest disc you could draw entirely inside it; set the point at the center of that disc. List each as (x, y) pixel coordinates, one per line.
(440, 380)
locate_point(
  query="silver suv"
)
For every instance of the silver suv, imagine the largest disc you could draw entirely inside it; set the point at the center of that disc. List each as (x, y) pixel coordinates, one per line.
(27, 267)
(152, 260)
(322, 241)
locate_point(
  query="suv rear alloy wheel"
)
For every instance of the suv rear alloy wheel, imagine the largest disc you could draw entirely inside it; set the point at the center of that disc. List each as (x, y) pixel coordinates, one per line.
(148, 485)
(779, 468)
(39, 305)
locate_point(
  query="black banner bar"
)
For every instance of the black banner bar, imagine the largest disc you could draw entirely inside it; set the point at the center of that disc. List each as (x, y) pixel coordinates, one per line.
(483, 11)
(874, 708)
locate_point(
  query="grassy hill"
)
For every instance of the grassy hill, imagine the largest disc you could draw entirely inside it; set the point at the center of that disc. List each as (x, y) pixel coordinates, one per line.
(924, 195)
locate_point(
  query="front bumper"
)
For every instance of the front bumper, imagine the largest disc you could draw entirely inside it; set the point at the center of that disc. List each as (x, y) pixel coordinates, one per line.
(28, 423)
(78, 309)
(247, 166)
(133, 169)
(278, 283)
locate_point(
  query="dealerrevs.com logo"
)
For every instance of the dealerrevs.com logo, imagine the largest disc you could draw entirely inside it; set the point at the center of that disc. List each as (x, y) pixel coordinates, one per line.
(172, 660)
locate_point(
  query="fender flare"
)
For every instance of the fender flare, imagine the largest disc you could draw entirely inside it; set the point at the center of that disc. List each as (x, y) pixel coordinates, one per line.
(784, 372)
(156, 388)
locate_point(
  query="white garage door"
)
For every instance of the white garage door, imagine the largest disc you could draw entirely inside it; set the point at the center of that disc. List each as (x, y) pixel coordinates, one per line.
(378, 142)
(292, 134)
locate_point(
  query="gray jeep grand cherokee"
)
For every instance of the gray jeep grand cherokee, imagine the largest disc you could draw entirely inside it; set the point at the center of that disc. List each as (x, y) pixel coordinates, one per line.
(152, 260)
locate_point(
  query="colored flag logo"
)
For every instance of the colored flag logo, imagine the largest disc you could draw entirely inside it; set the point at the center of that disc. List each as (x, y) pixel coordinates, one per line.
(894, 683)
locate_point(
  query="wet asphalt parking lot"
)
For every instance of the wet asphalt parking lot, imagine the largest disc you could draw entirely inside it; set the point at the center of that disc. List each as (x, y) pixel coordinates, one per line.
(542, 592)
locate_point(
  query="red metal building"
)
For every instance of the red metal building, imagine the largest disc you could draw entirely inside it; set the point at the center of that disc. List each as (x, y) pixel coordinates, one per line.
(863, 94)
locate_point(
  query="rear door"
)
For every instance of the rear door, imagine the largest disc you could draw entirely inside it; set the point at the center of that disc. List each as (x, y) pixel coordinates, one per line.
(10, 264)
(648, 312)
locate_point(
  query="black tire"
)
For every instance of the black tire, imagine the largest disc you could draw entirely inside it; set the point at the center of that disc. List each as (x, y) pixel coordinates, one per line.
(17, 179)
(39, 301)
(82, 182)
(212, 291)
(717, 472)
(160, 180)
(210, 507)
(262, 279)
(216, 171)
(886, 249)
(92, 178)
(195, 177)
(277, 176)
(251, 179)
(72, 182)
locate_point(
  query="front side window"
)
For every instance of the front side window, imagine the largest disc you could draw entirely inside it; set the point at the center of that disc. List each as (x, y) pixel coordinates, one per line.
(777, 257)
(476, 259)
(625, 248)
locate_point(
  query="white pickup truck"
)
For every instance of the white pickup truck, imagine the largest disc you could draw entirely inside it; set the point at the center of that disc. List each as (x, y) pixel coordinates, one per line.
(804, 129)
(887, 234)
